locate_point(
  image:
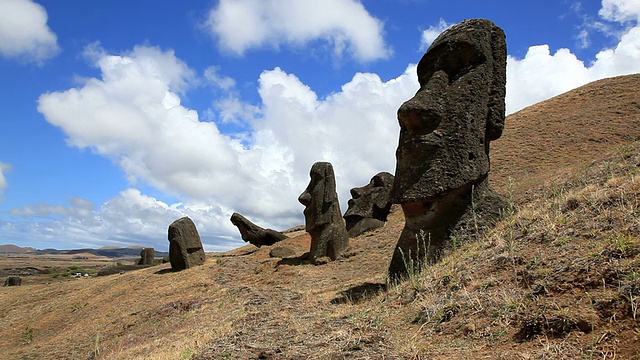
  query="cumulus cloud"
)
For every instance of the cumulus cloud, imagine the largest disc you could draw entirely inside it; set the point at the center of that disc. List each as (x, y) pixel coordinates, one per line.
(133, 116)
(131, 218)
(24, 32)
(429, 35)
(77, 207)
(241, 25)
(620, 10)
(4, 168)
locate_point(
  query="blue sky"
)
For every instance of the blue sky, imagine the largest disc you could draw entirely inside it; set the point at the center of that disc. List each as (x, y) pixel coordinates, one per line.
(118, 117)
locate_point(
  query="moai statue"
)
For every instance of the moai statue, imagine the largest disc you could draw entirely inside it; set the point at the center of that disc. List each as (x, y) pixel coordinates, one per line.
(147, 255)
(322, 215)
(185, 247)
(254, 234)
(369, 205)
(443, 153)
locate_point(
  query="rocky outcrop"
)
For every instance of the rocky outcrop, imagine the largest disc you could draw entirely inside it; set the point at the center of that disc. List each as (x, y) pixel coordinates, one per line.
(13, 281)
(282, 252)
(254, 234)
(322, 215)
(185, 247)
(369, 205)
(443, 151)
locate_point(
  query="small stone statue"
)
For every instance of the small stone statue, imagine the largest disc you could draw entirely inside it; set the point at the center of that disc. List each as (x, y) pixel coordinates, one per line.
(322, 215)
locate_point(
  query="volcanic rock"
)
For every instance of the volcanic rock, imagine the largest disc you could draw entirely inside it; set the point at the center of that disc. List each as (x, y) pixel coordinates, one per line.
(185, 247)
(254, 234)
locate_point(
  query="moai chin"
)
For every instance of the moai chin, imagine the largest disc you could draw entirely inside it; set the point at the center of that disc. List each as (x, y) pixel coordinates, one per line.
(445, 131)
(322, 215)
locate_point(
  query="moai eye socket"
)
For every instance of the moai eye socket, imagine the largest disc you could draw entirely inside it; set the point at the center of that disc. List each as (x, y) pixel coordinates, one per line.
(456, 58)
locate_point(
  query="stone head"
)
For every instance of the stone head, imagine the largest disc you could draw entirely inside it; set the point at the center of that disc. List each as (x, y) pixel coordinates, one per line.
(445, 129)
(371, 199)
(320, 197)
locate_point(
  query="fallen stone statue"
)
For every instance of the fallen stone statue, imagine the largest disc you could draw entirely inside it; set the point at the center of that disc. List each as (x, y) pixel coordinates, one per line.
(254, 234)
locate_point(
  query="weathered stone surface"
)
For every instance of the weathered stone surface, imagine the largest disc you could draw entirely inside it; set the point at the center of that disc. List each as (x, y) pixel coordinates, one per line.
(369, 205)
(282, 252)
(185, 247)
(254, 234)
(322, 215)
(443, 152)
(13, 281)
(147, 255)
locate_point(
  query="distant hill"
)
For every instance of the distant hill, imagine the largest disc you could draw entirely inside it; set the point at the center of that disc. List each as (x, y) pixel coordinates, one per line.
(107, 251)
(553, 136)
(13, 249)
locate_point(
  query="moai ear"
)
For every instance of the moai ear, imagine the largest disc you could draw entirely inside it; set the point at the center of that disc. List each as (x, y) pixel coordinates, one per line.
(329, 184)
(496, 111)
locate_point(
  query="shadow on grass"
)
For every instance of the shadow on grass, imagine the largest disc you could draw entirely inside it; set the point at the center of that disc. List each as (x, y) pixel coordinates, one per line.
(359, 293)
(164, 271)
(295, 261)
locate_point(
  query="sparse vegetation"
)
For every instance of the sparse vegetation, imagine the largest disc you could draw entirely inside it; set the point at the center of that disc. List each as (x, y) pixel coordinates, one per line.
(71, 270)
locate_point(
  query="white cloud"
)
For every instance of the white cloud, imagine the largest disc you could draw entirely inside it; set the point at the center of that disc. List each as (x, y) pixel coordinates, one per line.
(620, 10)
(130, 218)
(24, 32)
(133, 116)
(541, 75)
(77, 207)
(429, 35)
(4, 168)
(240, 25)
(223, 82)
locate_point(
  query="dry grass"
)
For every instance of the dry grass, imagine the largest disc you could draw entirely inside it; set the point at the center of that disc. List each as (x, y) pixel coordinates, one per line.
(559, 279)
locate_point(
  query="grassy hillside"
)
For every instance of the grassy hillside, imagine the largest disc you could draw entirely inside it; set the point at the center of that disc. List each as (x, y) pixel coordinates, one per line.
(559, 278)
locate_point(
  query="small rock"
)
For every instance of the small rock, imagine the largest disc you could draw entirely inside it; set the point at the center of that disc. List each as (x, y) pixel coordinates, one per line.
(282, 253)
(13, 281)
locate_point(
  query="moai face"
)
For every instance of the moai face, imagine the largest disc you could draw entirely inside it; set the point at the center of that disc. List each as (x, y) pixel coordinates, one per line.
(319, 196)
(369, 200)
(445, 129)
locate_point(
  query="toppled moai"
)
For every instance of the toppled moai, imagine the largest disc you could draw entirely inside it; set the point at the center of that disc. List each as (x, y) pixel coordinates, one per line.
(254, 234)
(147, 255)
(185, 247)
(322, 215)
(13, 281)
(369, 205)
(443, 153)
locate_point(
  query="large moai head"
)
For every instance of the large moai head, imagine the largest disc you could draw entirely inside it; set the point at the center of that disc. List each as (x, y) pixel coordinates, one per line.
(445, 129)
